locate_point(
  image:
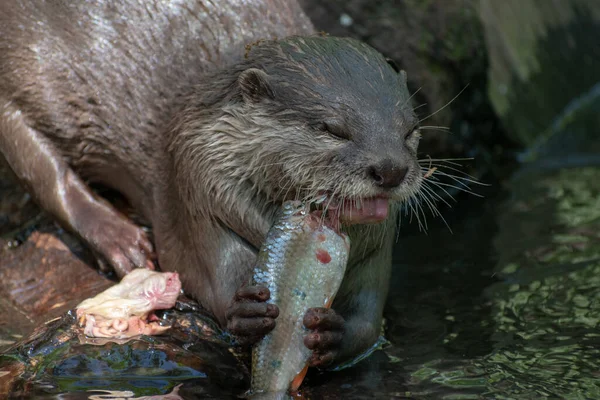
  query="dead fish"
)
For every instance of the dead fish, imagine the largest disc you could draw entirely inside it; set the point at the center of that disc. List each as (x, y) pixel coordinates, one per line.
(126, 309)
(302, 263)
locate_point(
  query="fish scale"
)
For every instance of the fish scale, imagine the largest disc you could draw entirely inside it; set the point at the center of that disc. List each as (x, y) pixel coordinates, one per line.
(302, 263)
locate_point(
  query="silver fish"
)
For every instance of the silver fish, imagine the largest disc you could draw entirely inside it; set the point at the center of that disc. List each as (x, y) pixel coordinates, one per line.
(302, 263)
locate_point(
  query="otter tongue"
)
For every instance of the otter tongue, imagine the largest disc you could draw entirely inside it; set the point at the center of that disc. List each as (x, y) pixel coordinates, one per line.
(366, 211)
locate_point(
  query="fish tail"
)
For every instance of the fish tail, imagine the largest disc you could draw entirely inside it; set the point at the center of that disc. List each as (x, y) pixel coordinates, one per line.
(298, 379)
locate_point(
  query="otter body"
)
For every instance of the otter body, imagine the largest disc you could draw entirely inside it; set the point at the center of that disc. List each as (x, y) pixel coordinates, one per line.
(166, 103)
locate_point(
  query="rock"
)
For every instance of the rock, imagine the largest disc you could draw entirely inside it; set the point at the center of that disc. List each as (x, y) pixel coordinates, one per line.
(545, 71)
(193, 355)
(42, 278)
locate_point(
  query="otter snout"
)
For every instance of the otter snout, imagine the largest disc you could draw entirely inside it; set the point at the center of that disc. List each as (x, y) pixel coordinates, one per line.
(387, 174)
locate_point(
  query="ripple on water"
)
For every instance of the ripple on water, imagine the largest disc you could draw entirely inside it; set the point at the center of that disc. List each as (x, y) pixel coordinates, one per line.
(545, 308)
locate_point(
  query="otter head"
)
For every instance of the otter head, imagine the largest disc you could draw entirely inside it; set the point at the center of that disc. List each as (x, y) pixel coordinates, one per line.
(332, 116)
(299, 118)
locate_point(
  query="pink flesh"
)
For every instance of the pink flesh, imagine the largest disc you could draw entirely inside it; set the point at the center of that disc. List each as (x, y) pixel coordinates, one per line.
(366, 211)
(122, 329)
(372, 210)
(99, 321)
(166, 299)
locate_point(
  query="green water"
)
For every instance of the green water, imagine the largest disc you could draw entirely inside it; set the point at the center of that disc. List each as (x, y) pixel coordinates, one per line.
(506, 307)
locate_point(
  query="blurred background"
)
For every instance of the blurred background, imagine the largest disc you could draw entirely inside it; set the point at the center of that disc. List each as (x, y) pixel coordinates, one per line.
(499, 298)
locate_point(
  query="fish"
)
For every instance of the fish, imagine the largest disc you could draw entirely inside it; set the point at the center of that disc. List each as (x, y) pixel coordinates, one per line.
(302, 262)
(126, 309)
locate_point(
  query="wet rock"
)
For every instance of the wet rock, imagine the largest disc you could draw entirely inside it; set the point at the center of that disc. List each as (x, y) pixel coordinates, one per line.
(44, 270)
(42, 278)
(193, 355)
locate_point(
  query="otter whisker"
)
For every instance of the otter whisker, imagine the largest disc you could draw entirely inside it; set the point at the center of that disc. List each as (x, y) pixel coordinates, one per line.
(466, 176)
(445, 166)
(460, 179)
(462, 189)
(448, 159)
(432, 193)
(415, 213)
(422, 211)
(331, 199)
(446, 105)
(383, 233)
(436, 128)
(446, 128)
(429, 203)
(408, 211)
(406, 208)
(410, 97)
(399, 223)
(430, 181)
(441, 164)
(419, 106)
(434, 209)
(429, 174)
(401, 213)
(451, 161)
(418, 161)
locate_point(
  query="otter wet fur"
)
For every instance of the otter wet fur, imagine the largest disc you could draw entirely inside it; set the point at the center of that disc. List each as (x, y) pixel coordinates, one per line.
(207, 116)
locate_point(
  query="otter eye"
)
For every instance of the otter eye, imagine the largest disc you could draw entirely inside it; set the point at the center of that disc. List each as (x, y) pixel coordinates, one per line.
(393, 64)
(336, 130)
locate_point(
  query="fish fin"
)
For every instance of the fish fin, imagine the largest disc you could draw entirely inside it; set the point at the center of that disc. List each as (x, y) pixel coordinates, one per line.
(298, 379)
(329, 303)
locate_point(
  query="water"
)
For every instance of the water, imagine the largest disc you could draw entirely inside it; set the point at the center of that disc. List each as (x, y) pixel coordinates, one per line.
(506, 307)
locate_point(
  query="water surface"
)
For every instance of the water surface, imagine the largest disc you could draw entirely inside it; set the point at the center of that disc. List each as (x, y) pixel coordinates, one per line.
(505, 307)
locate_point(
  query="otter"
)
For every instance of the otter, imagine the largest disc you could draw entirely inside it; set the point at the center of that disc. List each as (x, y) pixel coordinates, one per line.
(207, 116)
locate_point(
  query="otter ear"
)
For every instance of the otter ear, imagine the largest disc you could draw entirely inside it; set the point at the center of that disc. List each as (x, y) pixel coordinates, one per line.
(403, 76)
(396, 68)
(254, 84)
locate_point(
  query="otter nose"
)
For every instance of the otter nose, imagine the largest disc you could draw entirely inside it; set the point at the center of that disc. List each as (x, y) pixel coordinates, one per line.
(387, 174)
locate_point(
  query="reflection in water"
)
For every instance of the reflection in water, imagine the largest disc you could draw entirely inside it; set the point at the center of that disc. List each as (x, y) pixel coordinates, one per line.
(546, 310)
(540, 324)
(505, 308)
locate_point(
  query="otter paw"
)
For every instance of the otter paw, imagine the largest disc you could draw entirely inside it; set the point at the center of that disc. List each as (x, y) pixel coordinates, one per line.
(122, 246)
(249, 318)
(326, 337)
